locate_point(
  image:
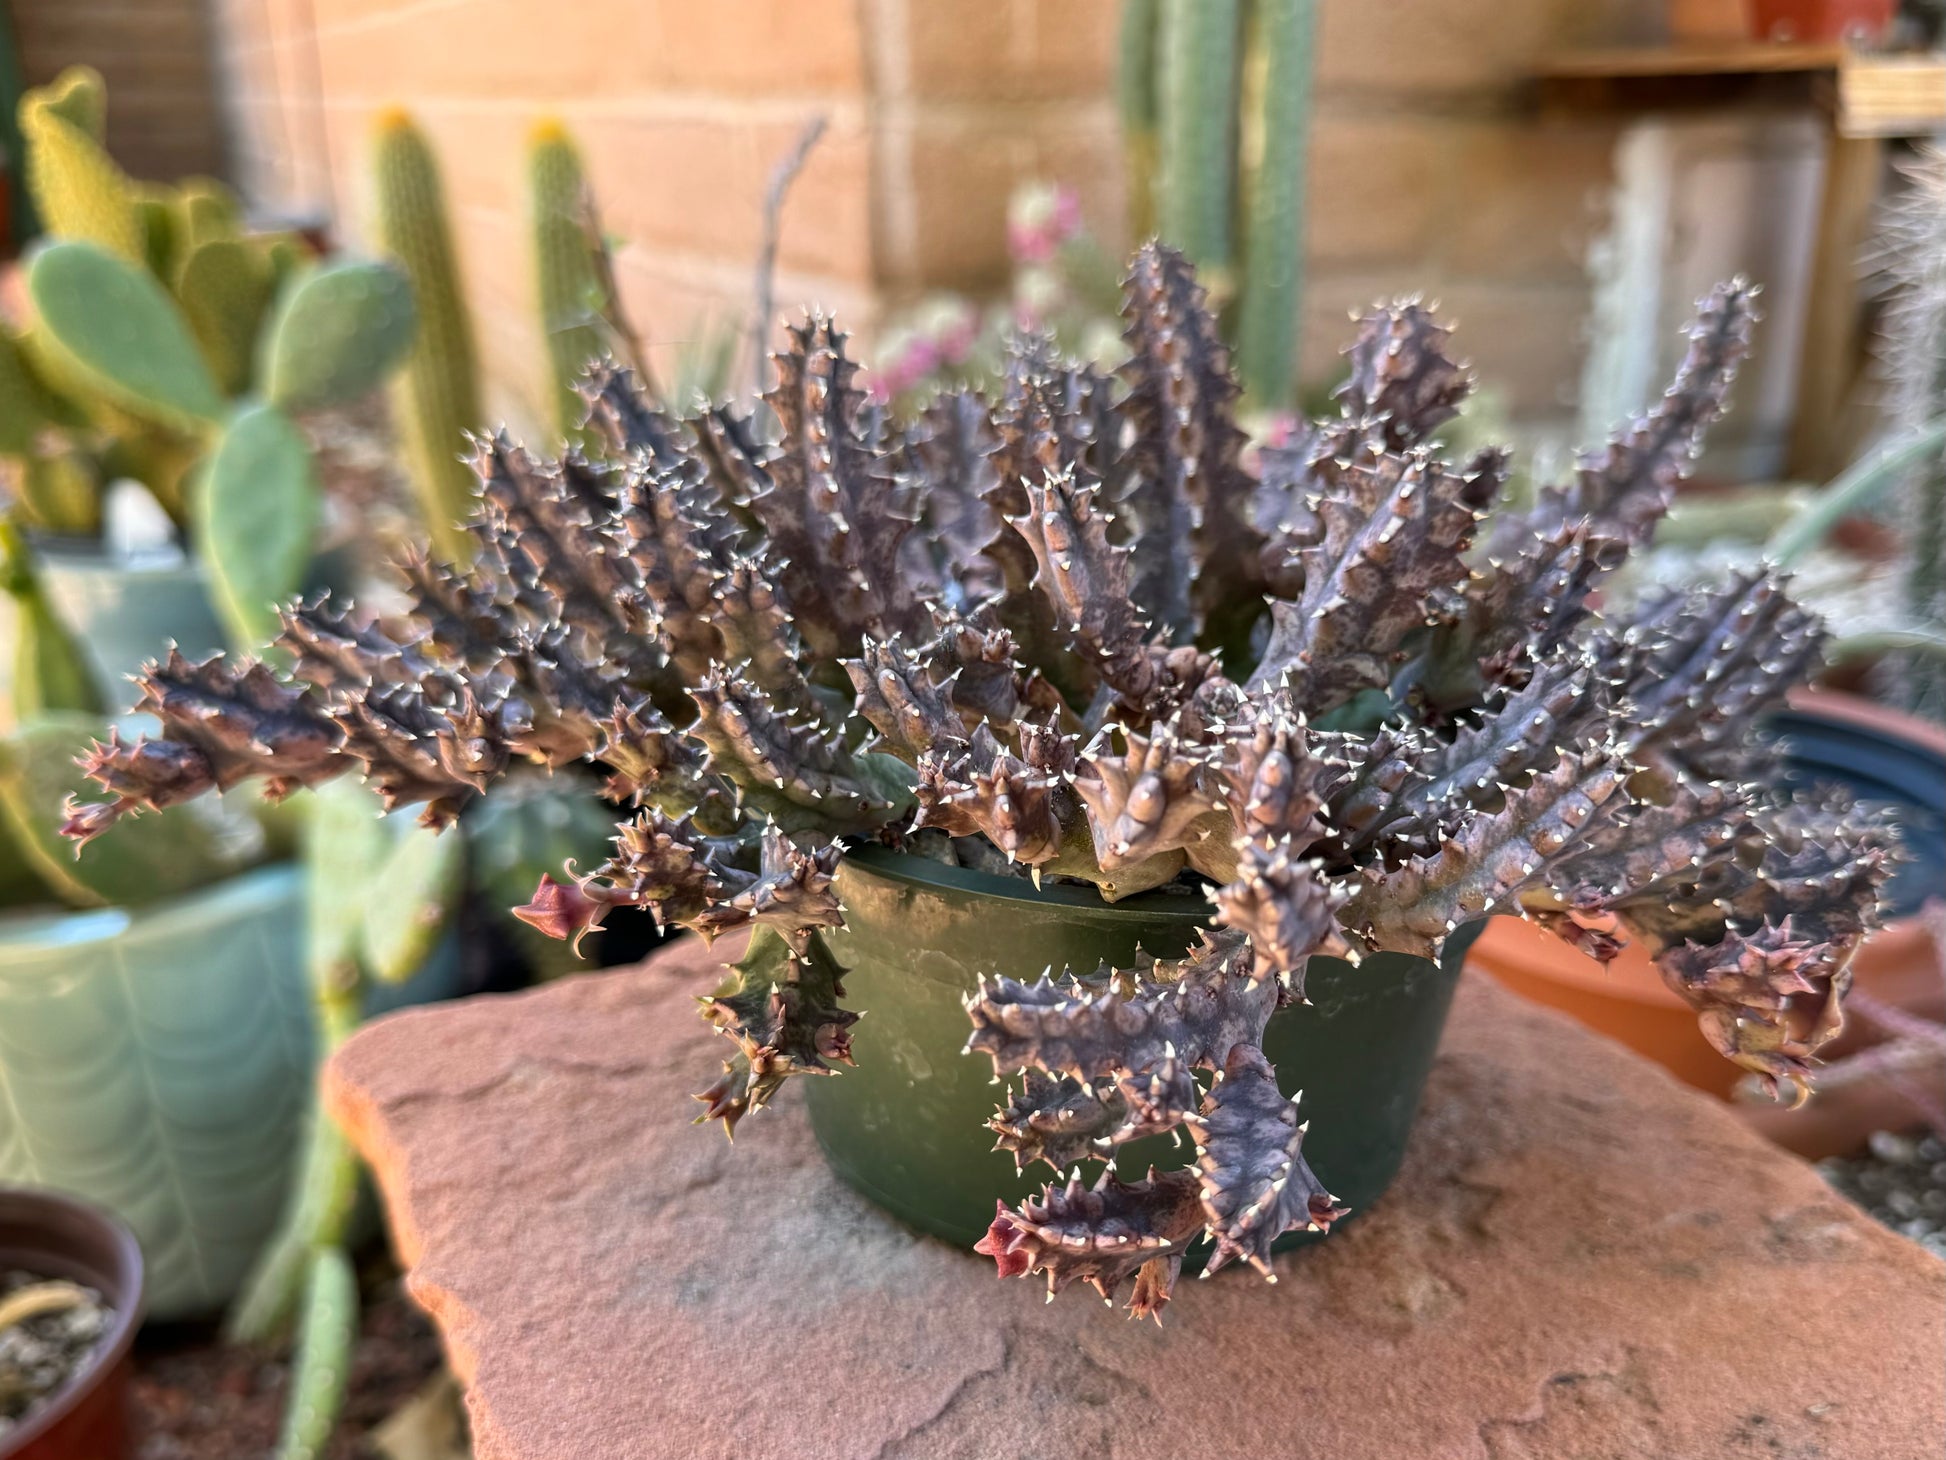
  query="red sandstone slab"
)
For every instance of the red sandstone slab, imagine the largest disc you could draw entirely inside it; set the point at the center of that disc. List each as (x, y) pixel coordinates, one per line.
(1581, 1261)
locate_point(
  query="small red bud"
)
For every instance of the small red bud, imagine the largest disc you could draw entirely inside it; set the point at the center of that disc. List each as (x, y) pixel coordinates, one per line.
(84, 821)
(562, 910)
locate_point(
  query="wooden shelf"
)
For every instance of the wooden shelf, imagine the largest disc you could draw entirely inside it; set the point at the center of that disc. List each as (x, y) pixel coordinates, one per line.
(1866, 94)
(1751, 58)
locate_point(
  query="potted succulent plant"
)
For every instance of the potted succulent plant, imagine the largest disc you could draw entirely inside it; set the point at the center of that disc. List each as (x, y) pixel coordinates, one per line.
(71, 1299)
(1051, 723)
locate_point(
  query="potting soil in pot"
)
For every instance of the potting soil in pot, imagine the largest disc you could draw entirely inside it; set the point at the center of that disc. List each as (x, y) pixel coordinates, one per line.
(48, 1333)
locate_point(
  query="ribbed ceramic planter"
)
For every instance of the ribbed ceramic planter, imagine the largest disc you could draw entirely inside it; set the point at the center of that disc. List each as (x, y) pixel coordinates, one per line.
(158, 1063)
(907, 1126)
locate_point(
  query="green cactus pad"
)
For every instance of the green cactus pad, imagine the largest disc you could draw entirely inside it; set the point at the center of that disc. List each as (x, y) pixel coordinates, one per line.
(60, 493)
(78, 190)
(23, 412)
(111, 327)
(163, 240)
(206, 211)
(224, 288)
(410, 900)
(337, 331)
(140, 859)
(256, 518)
(78, 96)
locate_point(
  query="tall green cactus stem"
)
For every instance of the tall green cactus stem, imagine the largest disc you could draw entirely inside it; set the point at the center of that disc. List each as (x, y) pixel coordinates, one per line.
(128, 867)
(1198, 68)
(343, 844)
(437, 398)
(78, 190)
(1914, 259)
(1136, 100)
(1273, 282)
(327, 1328)
(567, 287)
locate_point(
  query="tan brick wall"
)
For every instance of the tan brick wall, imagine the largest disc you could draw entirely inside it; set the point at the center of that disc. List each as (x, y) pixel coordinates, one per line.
(158, 59)
(1430, 171)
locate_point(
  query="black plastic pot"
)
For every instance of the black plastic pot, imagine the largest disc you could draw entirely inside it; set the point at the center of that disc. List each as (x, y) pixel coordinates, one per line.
(57, 1237)
(1881, 757)
(907, 1126)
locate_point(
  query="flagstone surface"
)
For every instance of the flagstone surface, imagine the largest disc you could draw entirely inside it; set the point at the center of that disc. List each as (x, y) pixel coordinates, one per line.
(1581, 1260)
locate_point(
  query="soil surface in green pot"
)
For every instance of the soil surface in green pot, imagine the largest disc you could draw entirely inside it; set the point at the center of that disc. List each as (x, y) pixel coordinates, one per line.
(907, 1126)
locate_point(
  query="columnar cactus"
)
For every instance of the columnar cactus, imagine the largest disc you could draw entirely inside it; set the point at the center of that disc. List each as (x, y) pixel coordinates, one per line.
(1215, 102)
(1915, 355)
(566, 285)
(1304, 684)
(436, 398)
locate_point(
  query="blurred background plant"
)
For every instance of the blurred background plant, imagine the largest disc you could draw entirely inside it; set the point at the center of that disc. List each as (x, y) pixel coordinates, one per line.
(1214, 100)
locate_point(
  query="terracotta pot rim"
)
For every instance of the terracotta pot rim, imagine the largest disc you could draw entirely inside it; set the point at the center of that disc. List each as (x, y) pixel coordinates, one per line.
(64, 1213)
(1529, 951)
(1868, 714)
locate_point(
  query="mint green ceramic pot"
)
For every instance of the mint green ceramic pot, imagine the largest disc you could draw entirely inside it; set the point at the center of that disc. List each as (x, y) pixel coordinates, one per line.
(907, 1126)
(158, 1062)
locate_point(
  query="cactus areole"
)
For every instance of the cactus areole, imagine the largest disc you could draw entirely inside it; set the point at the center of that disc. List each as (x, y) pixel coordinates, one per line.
(1076, 637)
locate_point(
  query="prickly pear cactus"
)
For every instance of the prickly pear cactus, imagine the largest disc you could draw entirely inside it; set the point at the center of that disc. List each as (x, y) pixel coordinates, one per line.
(339, 328)
(78, 190)
(114, 331)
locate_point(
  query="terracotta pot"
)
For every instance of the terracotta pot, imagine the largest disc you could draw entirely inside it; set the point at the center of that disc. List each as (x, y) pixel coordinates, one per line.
(1702, 22)
(1627, 1000)
(1806, 21)
(57, 1237)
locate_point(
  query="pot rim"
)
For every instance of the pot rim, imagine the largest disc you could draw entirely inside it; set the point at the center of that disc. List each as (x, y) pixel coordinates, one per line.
(1867, 714)
(70, 554)
(42, 926)
(57, 1211)
(916, 871)
(1528, 951)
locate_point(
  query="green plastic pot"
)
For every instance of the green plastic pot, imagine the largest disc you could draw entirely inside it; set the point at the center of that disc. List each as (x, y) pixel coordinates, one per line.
(158, 1063)
(907, 1127)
